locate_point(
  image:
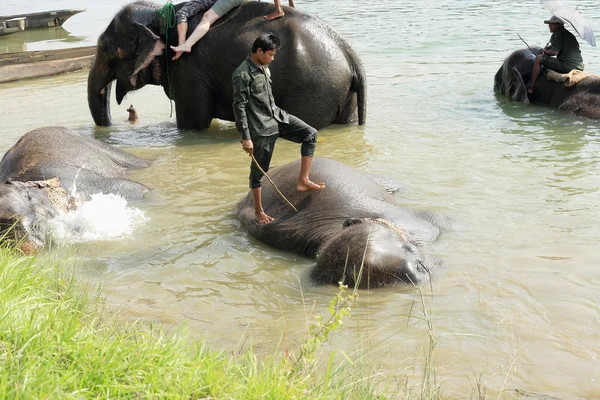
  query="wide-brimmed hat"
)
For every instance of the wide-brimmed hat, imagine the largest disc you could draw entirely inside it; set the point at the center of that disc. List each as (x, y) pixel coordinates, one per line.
(554, 20)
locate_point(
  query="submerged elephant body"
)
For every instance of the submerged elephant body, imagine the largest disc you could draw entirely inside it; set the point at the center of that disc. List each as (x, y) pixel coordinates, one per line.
(352, 219)
(52, 169)
(316, 74)
(513, 77)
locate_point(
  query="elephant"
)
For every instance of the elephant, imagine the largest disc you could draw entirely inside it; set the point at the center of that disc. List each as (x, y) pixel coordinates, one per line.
(53, 169)
(317, 76)
(353, 221)
(512, 80)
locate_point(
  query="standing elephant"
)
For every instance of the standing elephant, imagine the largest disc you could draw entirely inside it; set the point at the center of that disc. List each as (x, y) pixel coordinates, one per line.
(512, 80)
(353, 221)
(317, 76)
(52, 169)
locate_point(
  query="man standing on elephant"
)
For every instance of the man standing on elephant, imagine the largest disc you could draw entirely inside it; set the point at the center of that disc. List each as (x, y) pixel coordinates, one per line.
(260, 121)
(564, 46)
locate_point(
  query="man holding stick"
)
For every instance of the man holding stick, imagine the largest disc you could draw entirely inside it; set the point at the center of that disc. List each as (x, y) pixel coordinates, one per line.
(260, 121)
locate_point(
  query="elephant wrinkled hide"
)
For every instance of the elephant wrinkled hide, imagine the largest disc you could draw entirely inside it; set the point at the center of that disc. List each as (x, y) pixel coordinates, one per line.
(44, 171)
(513, 77)
(351, 221)
(316, 76)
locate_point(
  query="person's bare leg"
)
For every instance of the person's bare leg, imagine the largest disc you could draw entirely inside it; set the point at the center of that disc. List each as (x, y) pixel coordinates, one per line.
(304, 183)
(202, 29)
(278, 13)
(181, 34)
(261, 216)
(291, 3)
(537, 66)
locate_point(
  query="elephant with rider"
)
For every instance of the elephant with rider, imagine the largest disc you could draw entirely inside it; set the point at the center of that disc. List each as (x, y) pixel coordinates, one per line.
(353, 227)
(513, 78)
(317, 76)
(52, 170)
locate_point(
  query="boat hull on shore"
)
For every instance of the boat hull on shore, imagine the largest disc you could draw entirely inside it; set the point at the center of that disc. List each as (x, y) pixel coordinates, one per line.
(44, 19)
(36, 64)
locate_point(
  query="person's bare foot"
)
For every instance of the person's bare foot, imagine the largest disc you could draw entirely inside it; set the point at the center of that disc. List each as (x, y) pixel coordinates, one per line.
(291, 3)
(274, 15)
(262, 218)
(179, 50)
(308, 185)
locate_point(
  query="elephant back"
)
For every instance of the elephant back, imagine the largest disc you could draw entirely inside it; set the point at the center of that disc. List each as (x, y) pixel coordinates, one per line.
(51, 152)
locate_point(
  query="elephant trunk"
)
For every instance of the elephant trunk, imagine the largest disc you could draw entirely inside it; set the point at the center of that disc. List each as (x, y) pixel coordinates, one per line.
(99, 87)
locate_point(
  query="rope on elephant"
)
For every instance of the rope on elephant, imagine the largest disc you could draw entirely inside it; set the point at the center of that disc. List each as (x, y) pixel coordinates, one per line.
(569, 79)
(398, 229)
(272, 183)
(168, 13)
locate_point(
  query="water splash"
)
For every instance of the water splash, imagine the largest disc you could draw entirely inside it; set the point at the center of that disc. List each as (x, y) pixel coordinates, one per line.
(104, 217)
(74, 187)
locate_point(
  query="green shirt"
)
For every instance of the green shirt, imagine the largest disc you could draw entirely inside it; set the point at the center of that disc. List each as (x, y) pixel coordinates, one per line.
(254, 108)
(567, 47)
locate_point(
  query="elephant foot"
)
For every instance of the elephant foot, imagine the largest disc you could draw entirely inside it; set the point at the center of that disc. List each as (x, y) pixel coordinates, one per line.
(308, 185)
(262, 218)
(274, 15)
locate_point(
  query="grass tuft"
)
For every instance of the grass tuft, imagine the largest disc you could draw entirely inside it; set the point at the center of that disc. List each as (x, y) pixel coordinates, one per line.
(57, 341)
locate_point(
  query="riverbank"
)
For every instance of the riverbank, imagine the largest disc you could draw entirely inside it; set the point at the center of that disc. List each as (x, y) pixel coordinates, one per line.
(57, 341)
(37, 64)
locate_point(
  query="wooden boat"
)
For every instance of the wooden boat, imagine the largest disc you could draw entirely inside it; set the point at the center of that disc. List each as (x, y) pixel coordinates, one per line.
(11, 25)
(35, 64)
(44, 19)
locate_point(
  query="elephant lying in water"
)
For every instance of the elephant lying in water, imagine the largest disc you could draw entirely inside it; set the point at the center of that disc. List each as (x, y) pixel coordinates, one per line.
(512, 80)
(50, 170)
(316, 76)
(352, 219)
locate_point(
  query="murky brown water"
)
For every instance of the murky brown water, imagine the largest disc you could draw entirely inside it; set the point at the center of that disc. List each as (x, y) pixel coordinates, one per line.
(518, 297)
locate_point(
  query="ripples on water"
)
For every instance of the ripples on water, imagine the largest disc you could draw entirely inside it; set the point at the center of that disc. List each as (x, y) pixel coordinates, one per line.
(517, 298)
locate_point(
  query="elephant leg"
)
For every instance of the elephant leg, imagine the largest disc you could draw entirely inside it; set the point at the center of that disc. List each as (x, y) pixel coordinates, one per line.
(195, 109)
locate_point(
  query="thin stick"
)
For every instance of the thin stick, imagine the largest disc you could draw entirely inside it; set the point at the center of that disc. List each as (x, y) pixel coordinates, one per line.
(272, 183)
(526, 44)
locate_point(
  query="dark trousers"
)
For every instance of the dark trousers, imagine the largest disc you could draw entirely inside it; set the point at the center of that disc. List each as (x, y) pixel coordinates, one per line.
(296, 131)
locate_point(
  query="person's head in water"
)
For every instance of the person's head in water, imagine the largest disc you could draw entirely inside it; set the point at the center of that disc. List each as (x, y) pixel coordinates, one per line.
(264, 48)
(554, 23)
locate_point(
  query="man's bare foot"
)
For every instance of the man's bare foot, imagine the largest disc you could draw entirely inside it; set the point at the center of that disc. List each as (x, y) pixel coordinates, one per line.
(274, 15)
(291, 3)
(262, 218)
(179, 50)
(308, 185)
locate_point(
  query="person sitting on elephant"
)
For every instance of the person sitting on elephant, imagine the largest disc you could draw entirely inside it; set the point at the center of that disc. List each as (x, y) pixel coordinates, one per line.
(260, 121)
(278, 13)
(213, 10)
(562, 53)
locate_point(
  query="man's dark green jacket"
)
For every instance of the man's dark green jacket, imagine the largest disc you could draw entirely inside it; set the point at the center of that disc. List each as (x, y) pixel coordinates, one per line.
(254, 108)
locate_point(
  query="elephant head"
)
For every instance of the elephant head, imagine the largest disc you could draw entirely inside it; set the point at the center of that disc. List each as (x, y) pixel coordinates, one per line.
(381, 249)
(127, 52)
(24, 214)
(515, 73)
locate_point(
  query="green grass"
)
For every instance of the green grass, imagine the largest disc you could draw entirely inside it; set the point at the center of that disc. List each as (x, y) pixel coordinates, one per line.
(57, 341)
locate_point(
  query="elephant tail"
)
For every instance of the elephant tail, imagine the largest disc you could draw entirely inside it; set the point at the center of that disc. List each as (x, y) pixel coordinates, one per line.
(359, 83)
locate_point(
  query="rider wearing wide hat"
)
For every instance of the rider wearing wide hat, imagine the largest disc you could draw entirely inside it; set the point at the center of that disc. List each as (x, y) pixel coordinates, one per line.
(562, 54)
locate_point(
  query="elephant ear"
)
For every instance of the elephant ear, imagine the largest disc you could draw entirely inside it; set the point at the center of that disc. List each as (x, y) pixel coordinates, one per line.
(148, 46)
(518, 89)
